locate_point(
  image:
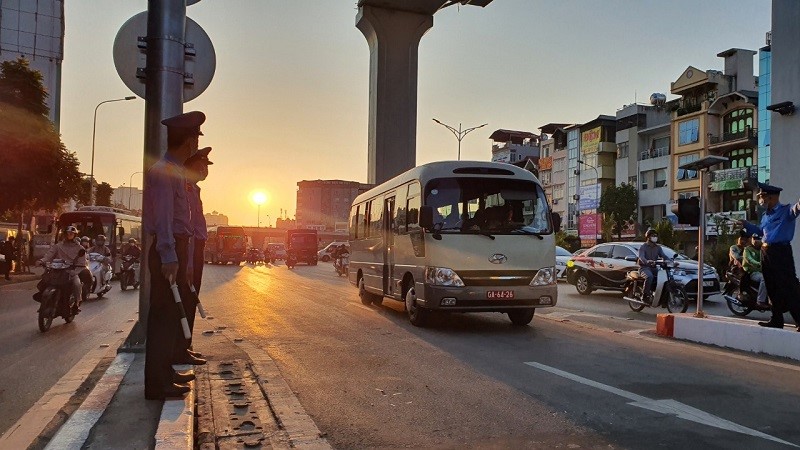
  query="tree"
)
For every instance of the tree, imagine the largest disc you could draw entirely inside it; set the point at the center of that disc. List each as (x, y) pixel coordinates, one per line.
(620, 204)
(22, 87)
(666, 233)
(103, 193)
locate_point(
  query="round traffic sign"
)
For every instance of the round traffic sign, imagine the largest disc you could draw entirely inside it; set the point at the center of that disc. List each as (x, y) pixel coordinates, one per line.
(130, 60)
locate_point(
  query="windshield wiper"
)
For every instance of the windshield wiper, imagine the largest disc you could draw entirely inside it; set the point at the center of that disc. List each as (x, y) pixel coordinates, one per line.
(486, 233)
(531, 233)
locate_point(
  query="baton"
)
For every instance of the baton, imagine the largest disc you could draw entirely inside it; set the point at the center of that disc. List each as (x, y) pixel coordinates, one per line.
(199, 305)
(184, 323)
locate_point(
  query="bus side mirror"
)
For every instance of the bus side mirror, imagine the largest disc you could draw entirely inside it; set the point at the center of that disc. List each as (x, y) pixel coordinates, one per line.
(426, 217)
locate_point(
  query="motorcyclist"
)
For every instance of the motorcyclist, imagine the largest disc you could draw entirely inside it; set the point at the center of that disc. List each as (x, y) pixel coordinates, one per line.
(70, 251)
(133, 249)
(85, 274)
(86, 242)
(736, 252)
(751, 262)
(338, 253)
(649, 252)
(101, 248)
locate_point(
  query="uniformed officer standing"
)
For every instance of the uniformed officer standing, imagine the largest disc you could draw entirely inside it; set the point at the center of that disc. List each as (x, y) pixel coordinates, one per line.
(168, 221)
(777, 261)
(196, 169)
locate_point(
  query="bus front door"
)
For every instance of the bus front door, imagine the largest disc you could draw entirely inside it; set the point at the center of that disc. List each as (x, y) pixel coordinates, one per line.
(388, 252)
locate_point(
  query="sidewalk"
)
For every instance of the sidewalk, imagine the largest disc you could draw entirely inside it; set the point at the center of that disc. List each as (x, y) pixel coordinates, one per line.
(35, 274)
(239, 400)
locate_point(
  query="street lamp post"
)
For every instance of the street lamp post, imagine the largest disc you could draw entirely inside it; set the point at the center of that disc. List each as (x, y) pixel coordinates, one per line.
(259, 198)
(130, 188)
(459, 134)
(94, 132)
(597, 195)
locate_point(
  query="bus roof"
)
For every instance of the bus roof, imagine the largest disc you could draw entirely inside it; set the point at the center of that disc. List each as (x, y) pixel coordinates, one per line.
(97, 211)
(450, 169)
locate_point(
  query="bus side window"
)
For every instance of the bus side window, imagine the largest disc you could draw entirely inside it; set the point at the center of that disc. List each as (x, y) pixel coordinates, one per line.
(412, 213)
(364, 227)
(354, 222)
(375, 217)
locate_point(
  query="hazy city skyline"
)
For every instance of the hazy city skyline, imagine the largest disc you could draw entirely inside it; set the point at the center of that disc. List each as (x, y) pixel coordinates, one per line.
(289, 99)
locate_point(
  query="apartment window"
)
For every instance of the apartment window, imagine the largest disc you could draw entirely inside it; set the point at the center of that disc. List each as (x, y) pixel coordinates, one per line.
(688, 194)
(689, 131)
(622, 150)
(742, 157)
(687, 174)
(645, 184)
(738, 121)
(660, 178)
(660, 147)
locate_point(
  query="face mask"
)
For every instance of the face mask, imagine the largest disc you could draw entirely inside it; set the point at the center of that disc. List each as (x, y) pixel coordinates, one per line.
(760, 201)
(654, 239)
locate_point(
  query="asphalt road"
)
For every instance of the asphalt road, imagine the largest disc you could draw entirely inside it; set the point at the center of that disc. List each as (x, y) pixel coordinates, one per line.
(31, 362)
(584, 374)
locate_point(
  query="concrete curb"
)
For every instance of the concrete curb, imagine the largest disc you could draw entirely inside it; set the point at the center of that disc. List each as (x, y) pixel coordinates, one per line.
(176, 424)
(73, 434)
(39, 416)
(734, 333)
(292, 417)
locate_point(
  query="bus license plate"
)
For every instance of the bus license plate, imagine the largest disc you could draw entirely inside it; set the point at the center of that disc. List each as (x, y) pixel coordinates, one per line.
(708, 283)
(500, 294)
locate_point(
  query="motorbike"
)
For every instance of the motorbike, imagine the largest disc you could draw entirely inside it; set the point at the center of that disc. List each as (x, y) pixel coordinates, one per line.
(100, 283)
(127, 273)
(253, 256)
(55, 295)
(342, 264)
(741, 302)
(670, 293)
(291, 260)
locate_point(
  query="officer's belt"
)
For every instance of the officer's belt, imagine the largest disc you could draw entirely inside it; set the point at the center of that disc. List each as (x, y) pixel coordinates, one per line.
(777, 244)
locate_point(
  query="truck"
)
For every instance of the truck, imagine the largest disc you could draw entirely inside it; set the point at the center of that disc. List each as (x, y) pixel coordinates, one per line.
(225, 244)
(301, 246)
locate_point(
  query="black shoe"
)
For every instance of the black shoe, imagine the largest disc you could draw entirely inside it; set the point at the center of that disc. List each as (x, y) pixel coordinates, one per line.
(171, 391)
(183, 377)
(194, 353)
(771, 324)
(189, 359)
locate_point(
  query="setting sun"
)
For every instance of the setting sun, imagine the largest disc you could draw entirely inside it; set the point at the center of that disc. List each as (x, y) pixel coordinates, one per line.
(259, 197)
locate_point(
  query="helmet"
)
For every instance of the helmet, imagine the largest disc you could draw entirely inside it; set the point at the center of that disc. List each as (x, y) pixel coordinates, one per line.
(85, 239)
(131, 241)
(100, 237)
(71, 229)
(650, 232)
(756, 237)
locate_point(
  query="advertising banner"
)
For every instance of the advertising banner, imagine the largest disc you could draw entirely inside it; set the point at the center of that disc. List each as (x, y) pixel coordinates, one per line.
(711, 221)
(589, 225)
(546, 163)
(590, 141)
(590, 197)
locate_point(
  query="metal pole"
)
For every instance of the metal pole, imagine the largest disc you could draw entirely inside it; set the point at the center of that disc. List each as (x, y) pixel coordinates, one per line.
(166, 24)
(94, 132)
(701, 246)
(130, 188)
(258, 223)
(459, 137)
(458, 133)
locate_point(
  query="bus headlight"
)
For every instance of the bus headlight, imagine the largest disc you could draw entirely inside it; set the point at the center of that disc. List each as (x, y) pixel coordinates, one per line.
(544, 277)
(442, 276)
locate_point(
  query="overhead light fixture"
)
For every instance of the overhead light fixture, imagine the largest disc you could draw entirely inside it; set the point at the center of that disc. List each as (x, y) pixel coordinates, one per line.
(782, 108)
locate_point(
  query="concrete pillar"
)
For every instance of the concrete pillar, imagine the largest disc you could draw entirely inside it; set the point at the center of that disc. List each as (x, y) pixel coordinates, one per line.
(785, 130)
(393, 37)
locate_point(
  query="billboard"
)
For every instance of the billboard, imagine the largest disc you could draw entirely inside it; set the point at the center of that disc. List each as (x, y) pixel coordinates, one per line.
(589, 226)
(546, 163)
(589, 197)
(590, 141)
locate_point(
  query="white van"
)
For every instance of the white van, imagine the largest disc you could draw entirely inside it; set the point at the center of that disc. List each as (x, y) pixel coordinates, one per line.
(455, 236)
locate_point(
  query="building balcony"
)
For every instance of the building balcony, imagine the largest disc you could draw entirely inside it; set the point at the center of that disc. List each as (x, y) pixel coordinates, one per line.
(733, 179)
(748, 138)
(688, 109)
(654, 153)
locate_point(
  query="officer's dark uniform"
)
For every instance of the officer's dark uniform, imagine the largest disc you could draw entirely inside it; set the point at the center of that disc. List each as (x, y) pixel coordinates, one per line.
(777, 261)
(168, 221)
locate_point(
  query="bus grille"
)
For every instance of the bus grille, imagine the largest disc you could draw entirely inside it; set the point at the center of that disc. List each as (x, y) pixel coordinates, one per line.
(496, 278)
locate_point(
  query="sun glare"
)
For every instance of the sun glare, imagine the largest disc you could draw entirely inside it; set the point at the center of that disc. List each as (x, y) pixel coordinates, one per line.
(259, 198)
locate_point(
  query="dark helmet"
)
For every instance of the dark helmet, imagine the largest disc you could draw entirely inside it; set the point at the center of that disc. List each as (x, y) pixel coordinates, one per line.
(131, 241)
(756, 237)
(100, 237)
(650, 232)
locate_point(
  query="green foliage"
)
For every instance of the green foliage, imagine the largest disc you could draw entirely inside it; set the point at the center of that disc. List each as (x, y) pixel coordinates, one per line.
(666, 233)
(22, 87)
(568, 241)
(620, 203)
(716, 253)
(607, 227)
(103, 193)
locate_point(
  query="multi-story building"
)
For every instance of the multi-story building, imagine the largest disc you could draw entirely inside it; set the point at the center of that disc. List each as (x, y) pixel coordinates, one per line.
(643, 155)
(325, 204)
(214, 219)
(764, 115)
(127, 197)
(510, 146)
(596, 169)
(552, 166)
(716, 115)
(34, 30)
(573, 133)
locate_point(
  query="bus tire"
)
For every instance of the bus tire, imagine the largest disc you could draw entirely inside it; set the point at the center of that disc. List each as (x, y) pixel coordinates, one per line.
(417, 315)
(521, 317)
(366, 297)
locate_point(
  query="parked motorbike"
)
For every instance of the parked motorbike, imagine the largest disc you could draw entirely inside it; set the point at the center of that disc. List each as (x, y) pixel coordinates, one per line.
(100, 283)
(128, 271)
(741, 302)
(670, 293)
(342, 264)
(55, 295)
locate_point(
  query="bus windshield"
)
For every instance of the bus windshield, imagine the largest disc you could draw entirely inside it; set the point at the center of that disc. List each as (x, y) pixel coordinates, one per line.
(88, 224)
(492, 205)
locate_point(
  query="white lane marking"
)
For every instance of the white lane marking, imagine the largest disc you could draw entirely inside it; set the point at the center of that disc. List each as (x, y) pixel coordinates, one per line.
(667, 406)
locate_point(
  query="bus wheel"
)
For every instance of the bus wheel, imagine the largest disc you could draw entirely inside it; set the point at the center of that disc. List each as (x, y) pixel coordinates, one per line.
(366, 297)
(521, 317)
(417, 315)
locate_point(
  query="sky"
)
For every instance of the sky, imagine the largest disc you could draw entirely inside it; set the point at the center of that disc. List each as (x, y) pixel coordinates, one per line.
(289, 99)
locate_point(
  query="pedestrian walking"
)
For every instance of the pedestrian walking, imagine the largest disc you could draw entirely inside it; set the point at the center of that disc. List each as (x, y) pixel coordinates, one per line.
(8, 251)
(168, 221)
(777, 261)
